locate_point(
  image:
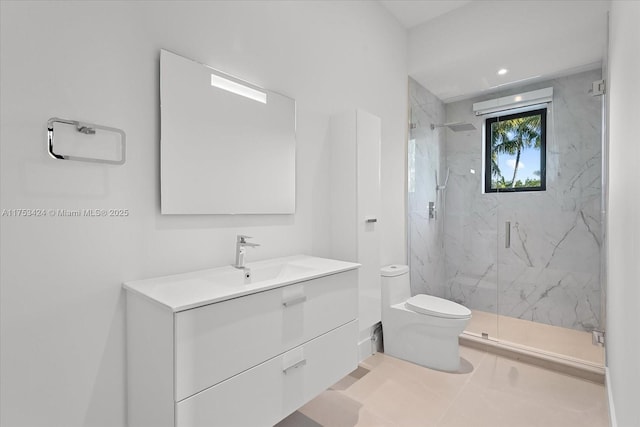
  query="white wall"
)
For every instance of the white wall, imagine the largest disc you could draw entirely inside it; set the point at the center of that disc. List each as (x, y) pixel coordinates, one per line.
(623, 279)
(63, 326)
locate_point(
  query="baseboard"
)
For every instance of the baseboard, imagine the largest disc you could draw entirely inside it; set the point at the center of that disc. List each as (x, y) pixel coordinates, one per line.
(610, 406)
(566, 365)
(365, 349)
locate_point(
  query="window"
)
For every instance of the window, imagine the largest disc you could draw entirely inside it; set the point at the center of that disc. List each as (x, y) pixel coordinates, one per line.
(515, 152)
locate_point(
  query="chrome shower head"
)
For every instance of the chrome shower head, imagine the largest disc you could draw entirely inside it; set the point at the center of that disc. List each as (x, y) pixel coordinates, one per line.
(456, 127)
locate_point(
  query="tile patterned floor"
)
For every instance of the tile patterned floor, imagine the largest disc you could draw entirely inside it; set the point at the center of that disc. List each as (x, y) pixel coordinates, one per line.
(488, 391)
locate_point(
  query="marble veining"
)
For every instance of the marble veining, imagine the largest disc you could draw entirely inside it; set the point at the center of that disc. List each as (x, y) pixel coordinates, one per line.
(426, 155)
(551, 272)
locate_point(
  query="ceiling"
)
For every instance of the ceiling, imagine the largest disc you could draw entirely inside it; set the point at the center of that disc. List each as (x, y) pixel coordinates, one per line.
(412, 12)
(457, 47)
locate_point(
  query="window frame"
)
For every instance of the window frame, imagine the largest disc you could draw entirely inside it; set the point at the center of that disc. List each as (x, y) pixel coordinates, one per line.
(542, 111)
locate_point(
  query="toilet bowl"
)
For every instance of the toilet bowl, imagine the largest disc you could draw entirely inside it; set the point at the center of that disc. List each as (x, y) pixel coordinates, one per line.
(422, 329)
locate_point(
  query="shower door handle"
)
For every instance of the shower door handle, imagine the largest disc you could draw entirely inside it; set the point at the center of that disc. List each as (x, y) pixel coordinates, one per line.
(507, 234)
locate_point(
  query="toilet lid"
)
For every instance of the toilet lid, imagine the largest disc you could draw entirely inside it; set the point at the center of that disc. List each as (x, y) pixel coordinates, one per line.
(439, 307)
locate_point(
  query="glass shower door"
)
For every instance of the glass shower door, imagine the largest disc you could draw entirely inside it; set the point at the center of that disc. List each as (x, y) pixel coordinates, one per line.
(548, 234)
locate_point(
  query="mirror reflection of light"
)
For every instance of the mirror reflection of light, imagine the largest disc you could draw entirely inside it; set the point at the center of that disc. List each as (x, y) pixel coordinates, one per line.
(517, 98)
(238, 88)
(502, 71)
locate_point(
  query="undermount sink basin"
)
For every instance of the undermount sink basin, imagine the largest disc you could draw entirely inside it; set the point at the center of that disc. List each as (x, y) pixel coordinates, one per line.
(189, 290)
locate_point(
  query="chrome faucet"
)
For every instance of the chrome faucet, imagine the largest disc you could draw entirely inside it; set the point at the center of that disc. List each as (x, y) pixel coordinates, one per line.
(241, 244)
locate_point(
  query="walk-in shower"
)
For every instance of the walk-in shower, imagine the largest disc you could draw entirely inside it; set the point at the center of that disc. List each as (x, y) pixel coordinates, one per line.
(541, 292)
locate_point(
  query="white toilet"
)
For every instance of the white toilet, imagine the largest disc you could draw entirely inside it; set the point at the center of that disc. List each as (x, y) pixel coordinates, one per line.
(422, 329)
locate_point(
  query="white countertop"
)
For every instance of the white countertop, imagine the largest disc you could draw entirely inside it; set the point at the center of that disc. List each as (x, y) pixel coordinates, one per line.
(189, 290)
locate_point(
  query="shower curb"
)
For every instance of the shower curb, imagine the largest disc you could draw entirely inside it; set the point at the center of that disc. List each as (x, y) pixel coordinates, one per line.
(574, 367)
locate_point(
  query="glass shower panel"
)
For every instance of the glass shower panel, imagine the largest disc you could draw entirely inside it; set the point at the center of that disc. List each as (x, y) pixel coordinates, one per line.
(452, 225)
(470, 229)
(471, 240)
(425, 213)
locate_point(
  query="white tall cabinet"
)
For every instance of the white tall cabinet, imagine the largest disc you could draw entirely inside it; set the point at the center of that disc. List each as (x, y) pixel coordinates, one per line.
(355, 197)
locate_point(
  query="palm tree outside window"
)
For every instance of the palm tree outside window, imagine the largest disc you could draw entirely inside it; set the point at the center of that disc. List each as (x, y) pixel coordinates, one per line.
(516, 152)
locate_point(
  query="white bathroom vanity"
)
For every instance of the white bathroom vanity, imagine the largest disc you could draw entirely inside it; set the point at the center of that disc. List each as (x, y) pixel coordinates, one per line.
(239, 347)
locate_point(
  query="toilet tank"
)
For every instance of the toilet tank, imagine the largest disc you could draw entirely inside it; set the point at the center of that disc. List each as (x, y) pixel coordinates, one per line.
(395, 284)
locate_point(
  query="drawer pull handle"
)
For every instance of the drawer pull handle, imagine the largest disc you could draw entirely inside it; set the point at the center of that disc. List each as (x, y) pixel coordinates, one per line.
(300, 364)
(294, 301)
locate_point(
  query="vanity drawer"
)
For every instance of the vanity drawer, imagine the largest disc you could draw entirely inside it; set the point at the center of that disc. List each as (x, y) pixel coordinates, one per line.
(218, 341)
(265, 394)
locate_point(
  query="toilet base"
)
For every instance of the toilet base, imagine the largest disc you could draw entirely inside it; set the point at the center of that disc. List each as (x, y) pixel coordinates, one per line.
(441, 354)
(432, 343)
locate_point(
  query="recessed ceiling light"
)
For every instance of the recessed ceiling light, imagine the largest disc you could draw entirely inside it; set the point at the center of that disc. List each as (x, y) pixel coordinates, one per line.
(502, 71)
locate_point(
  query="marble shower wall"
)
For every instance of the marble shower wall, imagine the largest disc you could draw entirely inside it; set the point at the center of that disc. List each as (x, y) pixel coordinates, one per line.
(426, 157)
(551, 273)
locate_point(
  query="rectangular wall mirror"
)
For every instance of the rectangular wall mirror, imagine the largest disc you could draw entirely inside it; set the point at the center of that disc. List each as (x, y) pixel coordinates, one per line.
(227, 146)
